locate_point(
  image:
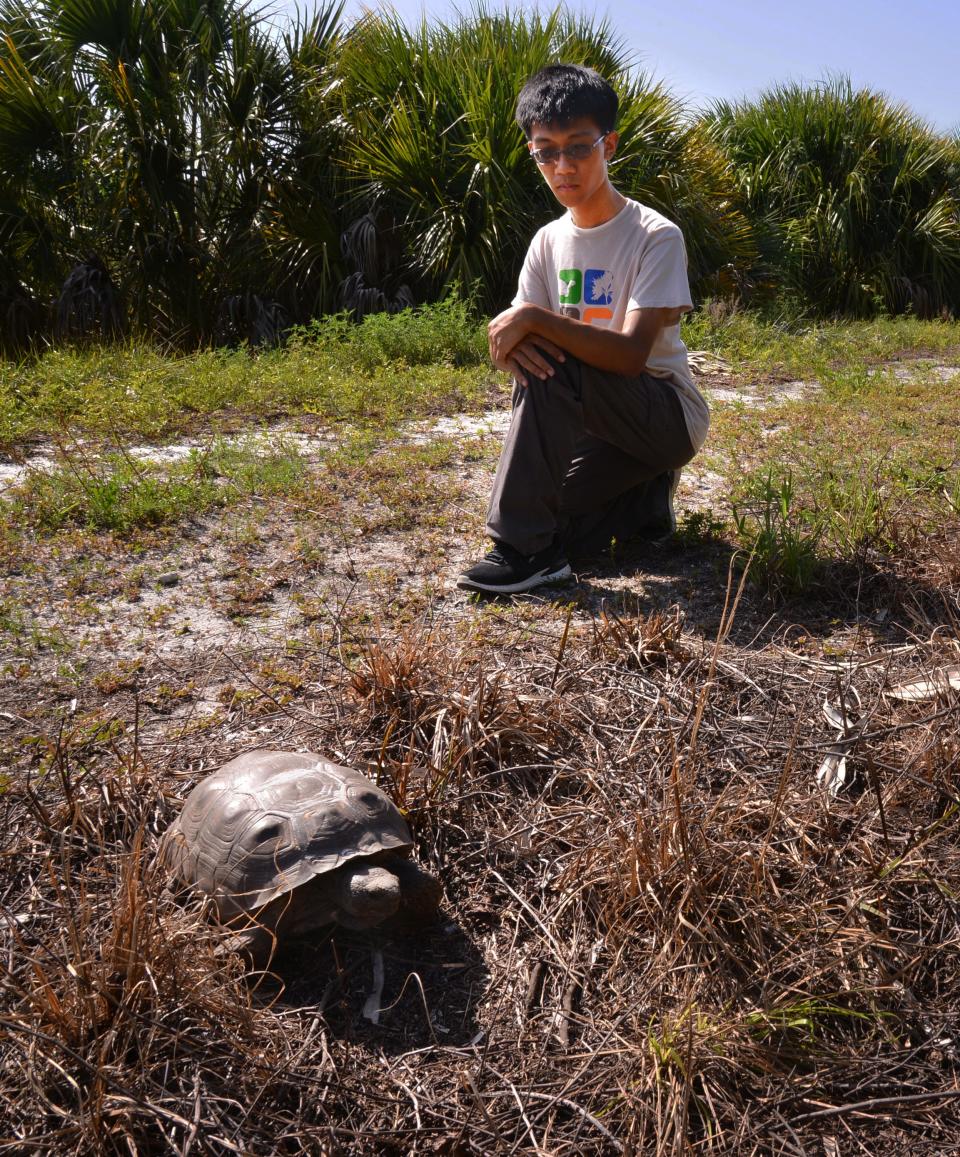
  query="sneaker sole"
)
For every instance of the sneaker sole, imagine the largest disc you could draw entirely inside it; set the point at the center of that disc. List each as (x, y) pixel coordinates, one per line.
(671, 494)
(527, 584)
(661, 534)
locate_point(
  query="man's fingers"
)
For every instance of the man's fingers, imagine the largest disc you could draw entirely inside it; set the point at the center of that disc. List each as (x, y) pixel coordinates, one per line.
(531, 365)
(514, 368)
(530, 355)
(548, 348)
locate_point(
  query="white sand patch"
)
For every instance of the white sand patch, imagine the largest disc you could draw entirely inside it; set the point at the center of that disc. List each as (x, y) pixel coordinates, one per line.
(161, 454)
(271, 441)
(794, 391)
(700, 489)
(13, 473)
(920, 371)
(492, 422)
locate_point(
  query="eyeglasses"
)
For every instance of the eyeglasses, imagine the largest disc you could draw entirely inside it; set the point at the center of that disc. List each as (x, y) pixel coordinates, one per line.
(571, 152)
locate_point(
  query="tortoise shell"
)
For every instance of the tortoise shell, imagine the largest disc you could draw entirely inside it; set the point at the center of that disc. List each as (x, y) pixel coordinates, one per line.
(269, 821)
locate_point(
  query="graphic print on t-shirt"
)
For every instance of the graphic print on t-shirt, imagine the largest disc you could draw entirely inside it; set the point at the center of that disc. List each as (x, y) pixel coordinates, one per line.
(591, 288)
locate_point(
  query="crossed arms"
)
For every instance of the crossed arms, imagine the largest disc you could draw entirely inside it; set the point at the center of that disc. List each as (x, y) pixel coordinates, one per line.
(521, 336)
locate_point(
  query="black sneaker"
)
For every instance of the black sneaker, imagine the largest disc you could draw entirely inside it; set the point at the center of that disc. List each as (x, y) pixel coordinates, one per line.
(505, 571)
(663, 518)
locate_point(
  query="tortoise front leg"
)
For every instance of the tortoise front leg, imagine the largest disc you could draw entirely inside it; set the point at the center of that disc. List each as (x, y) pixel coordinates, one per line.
(255, 941)
(420, 892)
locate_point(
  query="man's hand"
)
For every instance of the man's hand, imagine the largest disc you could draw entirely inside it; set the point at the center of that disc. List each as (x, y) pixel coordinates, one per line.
(507, 330)
(514, 346)
(526, 359)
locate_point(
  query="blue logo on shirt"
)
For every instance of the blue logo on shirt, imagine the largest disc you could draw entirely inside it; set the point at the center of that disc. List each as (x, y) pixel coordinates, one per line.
(598, 287)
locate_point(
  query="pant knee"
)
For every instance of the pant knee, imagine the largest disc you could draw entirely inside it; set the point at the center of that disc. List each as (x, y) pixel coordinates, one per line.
(566, 373)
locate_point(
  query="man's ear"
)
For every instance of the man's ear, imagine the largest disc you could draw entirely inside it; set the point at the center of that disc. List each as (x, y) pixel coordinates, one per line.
(610, 143)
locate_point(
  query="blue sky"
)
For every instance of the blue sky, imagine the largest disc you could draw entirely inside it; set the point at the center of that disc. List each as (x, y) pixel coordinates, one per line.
(705, 49)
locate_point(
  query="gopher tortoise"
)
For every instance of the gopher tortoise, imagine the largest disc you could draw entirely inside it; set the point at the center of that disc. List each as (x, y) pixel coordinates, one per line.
(287, 842)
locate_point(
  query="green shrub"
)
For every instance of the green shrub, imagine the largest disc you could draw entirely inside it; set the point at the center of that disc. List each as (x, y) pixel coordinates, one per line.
(446, 332)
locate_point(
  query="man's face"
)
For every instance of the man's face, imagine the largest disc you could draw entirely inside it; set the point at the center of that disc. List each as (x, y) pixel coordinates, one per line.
(573, 180)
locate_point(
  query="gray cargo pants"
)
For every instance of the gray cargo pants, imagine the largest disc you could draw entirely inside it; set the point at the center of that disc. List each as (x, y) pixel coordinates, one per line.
(581, 449)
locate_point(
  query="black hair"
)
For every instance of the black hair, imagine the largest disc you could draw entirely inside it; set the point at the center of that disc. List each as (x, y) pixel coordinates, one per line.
(560, 93)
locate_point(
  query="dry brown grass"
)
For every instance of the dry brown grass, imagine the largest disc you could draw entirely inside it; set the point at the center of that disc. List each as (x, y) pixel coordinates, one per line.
(659, 937)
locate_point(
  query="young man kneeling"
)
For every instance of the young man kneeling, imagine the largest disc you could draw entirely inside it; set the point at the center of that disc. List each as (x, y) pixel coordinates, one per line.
(605, 412)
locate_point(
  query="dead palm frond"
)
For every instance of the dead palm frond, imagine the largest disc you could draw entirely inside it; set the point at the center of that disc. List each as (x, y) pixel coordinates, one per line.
(88, 305)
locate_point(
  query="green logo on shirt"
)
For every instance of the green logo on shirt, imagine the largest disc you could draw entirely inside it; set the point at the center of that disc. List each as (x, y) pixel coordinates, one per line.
(571, 282)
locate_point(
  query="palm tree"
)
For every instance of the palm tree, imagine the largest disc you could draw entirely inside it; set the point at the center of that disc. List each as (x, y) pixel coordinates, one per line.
(180, 143)
(669, 162)
(42, 112)
(304, 210)
(856, 201)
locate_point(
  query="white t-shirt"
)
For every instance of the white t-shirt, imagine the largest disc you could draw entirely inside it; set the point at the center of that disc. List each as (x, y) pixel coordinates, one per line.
(636, 260)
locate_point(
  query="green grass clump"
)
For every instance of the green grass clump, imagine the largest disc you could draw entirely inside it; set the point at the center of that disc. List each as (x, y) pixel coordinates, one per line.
(805, 348)
(860, 459)
(797, 518)
(446, 333)
(781, 537)
(423, 362)
(119, 493)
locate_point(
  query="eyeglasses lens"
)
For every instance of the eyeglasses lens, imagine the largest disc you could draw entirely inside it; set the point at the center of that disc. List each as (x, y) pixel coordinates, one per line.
(578, 152)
